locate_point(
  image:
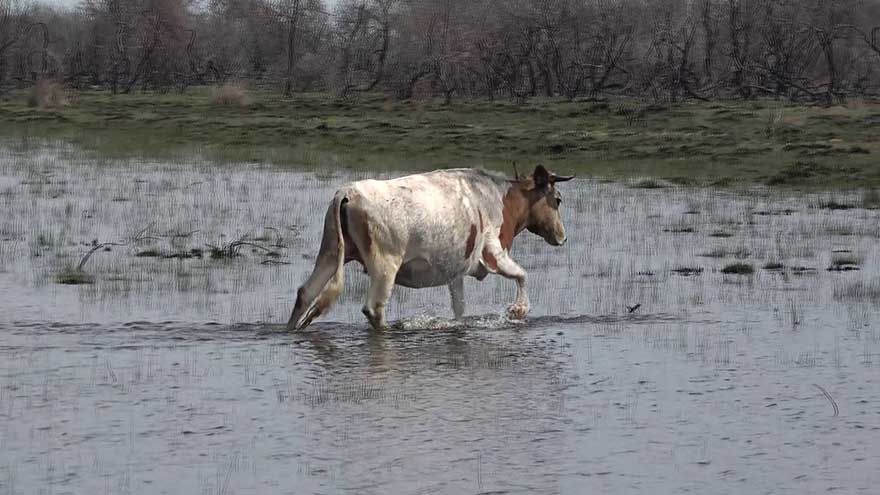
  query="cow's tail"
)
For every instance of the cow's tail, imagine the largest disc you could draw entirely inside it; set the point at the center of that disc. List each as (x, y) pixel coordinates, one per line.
(325, 283)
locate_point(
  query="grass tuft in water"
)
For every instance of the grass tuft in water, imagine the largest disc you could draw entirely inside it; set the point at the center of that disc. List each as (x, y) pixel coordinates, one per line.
(835, 205)
(844, 263)
(687, 271)
(738, 269)
(648, 184)
(69, 275)
(723, 252)
(148, 253)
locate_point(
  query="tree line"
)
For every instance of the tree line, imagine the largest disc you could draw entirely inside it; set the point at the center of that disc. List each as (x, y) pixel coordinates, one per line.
(820, 50)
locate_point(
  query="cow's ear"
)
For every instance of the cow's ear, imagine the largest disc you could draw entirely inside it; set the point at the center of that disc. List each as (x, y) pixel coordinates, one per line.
(541, 177)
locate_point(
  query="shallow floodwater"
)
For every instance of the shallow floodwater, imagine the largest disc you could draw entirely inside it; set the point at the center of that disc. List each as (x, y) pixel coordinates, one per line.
(172, 373)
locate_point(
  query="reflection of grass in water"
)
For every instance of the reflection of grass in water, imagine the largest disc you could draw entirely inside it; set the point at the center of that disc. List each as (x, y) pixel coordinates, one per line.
(682, 144)
(862, 290)
(681, 227)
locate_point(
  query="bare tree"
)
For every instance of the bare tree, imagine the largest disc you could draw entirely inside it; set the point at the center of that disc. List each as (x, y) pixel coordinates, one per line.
(365, 29)
(14, 24)
(668, 49)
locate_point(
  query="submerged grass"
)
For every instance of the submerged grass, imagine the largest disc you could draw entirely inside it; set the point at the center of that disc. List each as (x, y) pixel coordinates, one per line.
(679, 144)
(862, 290)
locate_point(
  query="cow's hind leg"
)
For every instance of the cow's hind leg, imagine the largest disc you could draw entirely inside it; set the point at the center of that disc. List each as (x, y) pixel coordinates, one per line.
(456, 294)
(382, 272)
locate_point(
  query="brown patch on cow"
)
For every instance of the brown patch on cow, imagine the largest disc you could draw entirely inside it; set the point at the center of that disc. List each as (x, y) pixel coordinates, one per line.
(515, 212)
(471, 240)
(490, 260)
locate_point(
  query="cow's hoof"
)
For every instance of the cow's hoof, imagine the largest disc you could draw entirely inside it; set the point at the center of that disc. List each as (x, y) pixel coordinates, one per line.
(517, 311)
(377, 321)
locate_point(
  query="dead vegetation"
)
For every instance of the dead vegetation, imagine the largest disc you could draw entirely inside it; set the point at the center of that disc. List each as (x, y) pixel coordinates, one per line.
(230, 95)
(47, 94)
(232, 249)
(74, 275)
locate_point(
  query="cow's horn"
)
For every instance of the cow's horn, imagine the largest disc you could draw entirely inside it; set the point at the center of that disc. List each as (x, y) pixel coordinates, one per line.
(562, 178)
(515, 172)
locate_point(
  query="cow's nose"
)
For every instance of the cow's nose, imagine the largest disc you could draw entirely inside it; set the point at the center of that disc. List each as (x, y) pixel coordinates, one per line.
(562, 242)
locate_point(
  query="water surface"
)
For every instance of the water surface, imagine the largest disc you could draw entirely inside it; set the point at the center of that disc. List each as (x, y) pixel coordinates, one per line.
(175, 375)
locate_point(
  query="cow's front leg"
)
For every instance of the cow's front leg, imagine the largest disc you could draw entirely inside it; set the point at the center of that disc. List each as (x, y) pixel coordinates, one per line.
(382, 274)
(508, 268)
(456, 294)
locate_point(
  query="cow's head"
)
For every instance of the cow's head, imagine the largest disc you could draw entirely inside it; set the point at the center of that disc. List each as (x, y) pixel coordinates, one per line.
(543, 217)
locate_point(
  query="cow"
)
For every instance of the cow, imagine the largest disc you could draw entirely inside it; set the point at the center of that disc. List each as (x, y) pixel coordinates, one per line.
(429, 230)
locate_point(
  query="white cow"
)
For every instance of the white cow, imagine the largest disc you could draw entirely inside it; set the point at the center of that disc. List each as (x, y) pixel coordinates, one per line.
(428, 230)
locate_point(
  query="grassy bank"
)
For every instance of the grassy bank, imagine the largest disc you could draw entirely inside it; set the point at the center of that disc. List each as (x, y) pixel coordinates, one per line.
(710, 143)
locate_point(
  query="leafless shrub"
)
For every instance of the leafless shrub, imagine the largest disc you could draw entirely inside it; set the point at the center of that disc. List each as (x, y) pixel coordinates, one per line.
(774, 120)
(661, 51)
(230, 95)
(74, 275)
(47, 94)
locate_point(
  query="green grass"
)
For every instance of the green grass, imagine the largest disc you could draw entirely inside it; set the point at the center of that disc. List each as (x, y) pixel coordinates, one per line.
(720, 143)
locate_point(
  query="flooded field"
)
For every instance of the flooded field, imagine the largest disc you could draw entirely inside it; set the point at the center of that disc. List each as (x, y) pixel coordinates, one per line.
(683, 340)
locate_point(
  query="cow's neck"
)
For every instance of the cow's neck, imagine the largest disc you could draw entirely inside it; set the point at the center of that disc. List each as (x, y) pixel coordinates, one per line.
(515, 212)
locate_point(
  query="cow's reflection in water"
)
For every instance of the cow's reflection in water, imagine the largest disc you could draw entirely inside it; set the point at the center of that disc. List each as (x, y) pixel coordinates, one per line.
(342, 350)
